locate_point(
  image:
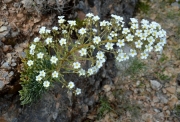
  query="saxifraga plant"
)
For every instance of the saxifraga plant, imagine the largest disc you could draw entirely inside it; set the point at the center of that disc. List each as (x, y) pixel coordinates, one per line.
(56, 53)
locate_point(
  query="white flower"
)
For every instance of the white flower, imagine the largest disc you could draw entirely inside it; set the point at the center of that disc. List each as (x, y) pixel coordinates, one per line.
(61, 17)
(148, 32)
(64, 31)
(62, 41)
(125, 31)
(138, 33)
(145, 26)
(148, 48)
(129, 37)
(122, 57)
(163, 41)
(162, 33)
(42, 73)
(119, 58)
(104, 23)
(155, 34)
(144, 55)
(109, 46)
(40, 55)
(32, 47)
(31, 52)
(100, 55)
(55, 74)
(96, 18)
(48, 40)
(36, 39)
(89, 15)
(134, 20)
(72, 22)
(109, 37)
(158, 47)
(132, 53)
(94, 30)
(82, 31)
(53, 60)
(83, 52)
(76, 65)
(78, 91)
(120, 43)
(117, 18)
(143, 36)
(153, 25)
(113, 34)
(143, 21)
(96, 40)
(125, 56)
(46, 84)
(151, 40)
(99, 63)
(42, 30)
(90, 71)
(30, 63)
(138, 44)
(38, 78)
(55, 28)
(134, 26)
(61, 20)
(92, 47)
(71, 85)
(48, 31)
(82, 72)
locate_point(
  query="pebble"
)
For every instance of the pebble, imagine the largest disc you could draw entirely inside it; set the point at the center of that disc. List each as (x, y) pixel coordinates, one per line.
(3, 28)
(175, 5)
(7, 1)
(6, 66)
(11, 74)
(171, 89)
(2, 84)
(7, 47)
(155, 84)
(13, 64)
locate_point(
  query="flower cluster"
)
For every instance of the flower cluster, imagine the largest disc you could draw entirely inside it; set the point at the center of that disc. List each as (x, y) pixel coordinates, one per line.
(55, 52)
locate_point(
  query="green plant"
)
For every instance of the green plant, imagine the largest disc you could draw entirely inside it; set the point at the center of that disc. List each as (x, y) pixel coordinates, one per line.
(177, 110)
(63, 50)
(163, 58)
(163, 77)
(125, 105)
(144, 7)
(104, 108)
(136, 66)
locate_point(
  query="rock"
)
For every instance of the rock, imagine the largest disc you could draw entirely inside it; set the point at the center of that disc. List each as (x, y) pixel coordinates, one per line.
(155, 84)
(171, 89)
(163, 99)
(147, 117)
(3, 28)
(7, 1)
(155, 99)
(13, 64)
(168, 112)
(7, 47)
(175, 5)
(107, 88)
(20, 15)
(1, 23)
(5, 66)
(172, 101)
(2, 84)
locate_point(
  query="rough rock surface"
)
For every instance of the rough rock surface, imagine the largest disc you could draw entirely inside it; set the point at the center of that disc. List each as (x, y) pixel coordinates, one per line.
(18, 26)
